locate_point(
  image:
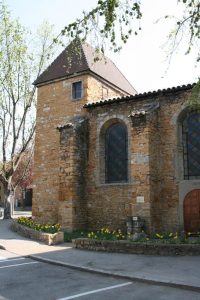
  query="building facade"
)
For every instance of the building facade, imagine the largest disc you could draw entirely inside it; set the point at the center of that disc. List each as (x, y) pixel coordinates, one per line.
(104, 152)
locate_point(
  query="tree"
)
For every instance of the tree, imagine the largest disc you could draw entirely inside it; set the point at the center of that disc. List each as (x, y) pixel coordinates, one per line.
(20, 64)
(112, 22)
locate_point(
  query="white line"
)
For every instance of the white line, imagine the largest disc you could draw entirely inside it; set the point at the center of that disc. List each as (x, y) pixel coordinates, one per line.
(9, 266)
(96, 291)
(10, 259)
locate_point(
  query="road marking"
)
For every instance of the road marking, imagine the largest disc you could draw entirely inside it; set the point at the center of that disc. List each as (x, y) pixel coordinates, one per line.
(96, 291)
(10, 259)
(9, 266)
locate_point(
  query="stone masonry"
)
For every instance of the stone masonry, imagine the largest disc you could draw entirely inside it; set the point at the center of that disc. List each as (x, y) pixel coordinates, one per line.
(55, 107)
(69, 160)
(152, 165)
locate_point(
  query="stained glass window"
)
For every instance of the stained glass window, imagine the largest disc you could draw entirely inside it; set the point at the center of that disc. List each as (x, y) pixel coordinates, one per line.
(191, 145)
(116, 154)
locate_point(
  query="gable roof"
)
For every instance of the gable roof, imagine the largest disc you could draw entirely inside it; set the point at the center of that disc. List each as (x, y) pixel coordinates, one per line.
(79, 57)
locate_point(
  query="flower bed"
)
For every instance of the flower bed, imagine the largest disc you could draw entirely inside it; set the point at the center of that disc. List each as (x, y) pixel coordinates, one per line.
(30, 223)
(125, 246)
(155, 244)
(28, 228)
(107, 234)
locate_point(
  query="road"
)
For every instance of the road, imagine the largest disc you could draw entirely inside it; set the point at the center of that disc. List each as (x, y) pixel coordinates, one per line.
(24, 278)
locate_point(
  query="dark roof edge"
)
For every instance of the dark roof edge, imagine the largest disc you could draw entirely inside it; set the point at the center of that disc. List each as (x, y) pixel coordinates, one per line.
(37, 80)
(141, 95)
(88, 71)
(62, 78)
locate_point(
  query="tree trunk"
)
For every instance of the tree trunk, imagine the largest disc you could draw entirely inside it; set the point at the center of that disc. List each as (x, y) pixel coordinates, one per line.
(8, 202)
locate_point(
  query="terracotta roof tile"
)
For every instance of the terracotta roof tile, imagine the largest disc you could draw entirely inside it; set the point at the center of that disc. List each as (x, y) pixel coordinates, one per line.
(140, 96)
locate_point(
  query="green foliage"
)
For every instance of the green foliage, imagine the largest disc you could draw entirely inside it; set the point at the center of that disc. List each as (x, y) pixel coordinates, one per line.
(29, 222)
(194, 101)
(156, 238)
(103, 234)
(106, 234)
(167, 238)
(109, 24)
(23, 56)
(186, 28)
(191, 22)
(69, 236)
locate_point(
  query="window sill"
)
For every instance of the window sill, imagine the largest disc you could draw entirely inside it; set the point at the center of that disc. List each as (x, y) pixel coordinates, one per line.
(113, 184)
(76, 99)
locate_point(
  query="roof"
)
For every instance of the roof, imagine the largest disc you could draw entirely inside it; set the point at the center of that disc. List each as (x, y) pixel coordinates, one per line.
(80, 57)
(140, 96)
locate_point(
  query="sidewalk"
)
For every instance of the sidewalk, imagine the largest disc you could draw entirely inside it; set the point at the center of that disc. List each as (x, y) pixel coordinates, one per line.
(179, 271)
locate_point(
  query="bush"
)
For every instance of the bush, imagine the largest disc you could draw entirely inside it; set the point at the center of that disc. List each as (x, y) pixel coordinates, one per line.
(29, 222)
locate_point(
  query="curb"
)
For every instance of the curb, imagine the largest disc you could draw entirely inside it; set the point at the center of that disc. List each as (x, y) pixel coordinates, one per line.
(116, 275)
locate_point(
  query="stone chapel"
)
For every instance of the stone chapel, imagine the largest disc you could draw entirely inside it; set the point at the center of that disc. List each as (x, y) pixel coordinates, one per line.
(103, 152)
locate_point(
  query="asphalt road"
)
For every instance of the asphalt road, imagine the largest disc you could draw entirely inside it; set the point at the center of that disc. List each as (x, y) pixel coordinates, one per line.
(23, 278)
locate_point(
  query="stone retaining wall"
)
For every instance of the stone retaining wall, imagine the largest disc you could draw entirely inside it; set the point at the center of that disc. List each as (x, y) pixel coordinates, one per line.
(137, 248)
(47, 238)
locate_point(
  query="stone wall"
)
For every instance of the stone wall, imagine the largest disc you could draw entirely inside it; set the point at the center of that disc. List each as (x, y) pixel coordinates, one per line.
(137, 248)
(55, 107)
(110, 204)
(47, 238)
(73, 161)
(69, 170)
(171, 108)
(101, 90)
(152, 189)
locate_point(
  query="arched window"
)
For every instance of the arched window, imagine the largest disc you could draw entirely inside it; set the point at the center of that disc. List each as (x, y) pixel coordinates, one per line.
(116, 154)
(191, 145)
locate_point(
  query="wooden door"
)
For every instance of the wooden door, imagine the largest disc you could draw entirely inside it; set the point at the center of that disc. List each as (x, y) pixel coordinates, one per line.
(192, 211)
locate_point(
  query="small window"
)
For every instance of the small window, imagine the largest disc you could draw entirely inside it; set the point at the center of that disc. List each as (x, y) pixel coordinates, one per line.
(104, 92)
(77, 90)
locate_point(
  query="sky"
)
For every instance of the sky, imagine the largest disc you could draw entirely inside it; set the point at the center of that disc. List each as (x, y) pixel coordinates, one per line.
(143, 60)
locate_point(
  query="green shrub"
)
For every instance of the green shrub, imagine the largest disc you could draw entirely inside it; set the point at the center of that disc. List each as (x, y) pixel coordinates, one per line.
(29, 222)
